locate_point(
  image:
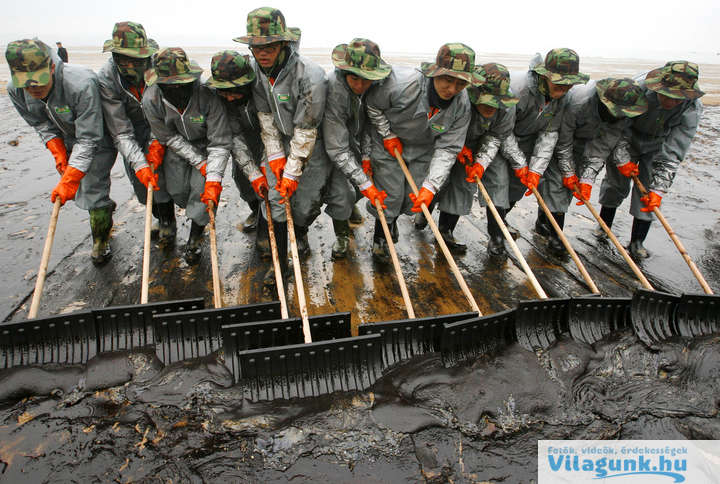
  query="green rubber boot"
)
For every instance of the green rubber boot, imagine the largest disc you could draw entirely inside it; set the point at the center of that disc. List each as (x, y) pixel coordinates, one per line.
(101, 223)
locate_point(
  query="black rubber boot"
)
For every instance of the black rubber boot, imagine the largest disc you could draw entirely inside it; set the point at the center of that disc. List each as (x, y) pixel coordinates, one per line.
(101, 223)
(261, 239)
(155, 229)
(607, 214)
(342, 238)
(554, 242)
(380, 250)
(419, 220)
(281, 239)
(193, 248)
(446, 224)
(356, 217)
(496, 244)
(542, 224)
(166, 219)
(301, 238)
(251, 221)
(640, 229)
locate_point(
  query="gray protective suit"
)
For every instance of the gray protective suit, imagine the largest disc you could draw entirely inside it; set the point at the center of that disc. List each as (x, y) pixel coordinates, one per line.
(347, 141)
(200, 134)
(290, 112)
(585, 142)
(484, 137)
(658, 142)
(399, 107)
(128, 128)
(73, 112)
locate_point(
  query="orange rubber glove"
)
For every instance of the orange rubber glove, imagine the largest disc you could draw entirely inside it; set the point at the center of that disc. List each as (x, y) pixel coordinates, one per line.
(155, 154)
(59, 152)
(286, 188)
(629, 169)
(203, 169)
(521, 173)
(465, 156)
(261, 187)
(68, 185)
(372, 194)
(569, 182)
(392, 144)
(531, 181)
(367, 167)
(652, 200)
(424, 196)
(472, 171)
(278, 166)
(212, 192)
(146, 175)
(585, 191)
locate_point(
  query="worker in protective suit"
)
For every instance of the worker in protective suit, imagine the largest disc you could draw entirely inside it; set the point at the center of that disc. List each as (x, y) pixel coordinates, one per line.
(538, 116)
(122, 85)
(596, 116)
(188, 119)
(62, 102)
(289, 94)
(347, 137)
(232, 78)
(492, 121)
(422, 115)
(656, 144)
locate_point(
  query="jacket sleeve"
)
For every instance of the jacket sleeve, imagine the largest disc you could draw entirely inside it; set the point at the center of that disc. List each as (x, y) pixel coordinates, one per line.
(219, 136)
(307, 119)
(89, 129)
(45, 128)
(378, 101)
(270, 135)
(674, 148)
(512, 152)
(491, 142)
(244, 159)
(447, 147)
(566, 138)
(543, 150)
(118, 124)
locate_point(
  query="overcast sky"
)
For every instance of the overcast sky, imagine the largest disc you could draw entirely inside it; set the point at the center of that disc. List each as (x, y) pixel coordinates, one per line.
(612, 28)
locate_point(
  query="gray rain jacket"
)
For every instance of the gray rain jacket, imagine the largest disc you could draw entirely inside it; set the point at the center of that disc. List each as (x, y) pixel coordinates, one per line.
(201, 132)
(586, 141)
(399, 107)
(347, 138)
(665, 133)
(73, 112)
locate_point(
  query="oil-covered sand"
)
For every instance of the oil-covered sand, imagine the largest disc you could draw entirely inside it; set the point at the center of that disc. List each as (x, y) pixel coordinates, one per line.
(124, 417)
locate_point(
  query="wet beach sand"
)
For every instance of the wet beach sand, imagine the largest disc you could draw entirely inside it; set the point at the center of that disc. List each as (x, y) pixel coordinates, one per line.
(124, 417)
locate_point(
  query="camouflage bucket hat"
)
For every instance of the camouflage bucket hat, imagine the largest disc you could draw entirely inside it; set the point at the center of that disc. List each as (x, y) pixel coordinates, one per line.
(495, 90)
(456, 60)
(266, 25)
(29, 61)
(172, 67)
(622, 97)
(362, 58)
(677, 79)
(130, 39)
(561, 67)
(230, 69)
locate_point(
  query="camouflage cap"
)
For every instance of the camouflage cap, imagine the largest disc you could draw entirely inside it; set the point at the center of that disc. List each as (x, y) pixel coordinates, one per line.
(495, 90)
(29, 61)
(677, 79)
(172, 67)
(230, 69)
(130, 39)
(622, 97)
(561, 67)
(456, 60)
(362, 58)
(266, 25)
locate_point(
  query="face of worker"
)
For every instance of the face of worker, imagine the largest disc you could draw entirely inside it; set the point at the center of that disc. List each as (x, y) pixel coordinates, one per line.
(267, 54)
(357, 84)
(485, 111)
(668, 103)
(556, 91)
(448, 87)
(41, 92)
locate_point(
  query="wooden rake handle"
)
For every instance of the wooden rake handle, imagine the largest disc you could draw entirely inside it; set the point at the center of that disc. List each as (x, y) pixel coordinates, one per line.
(146, 247)
(566, 242)
(42, 271)
(676, 240)
(438, 237)
(646, 284)
(300, 287)
(217, 290)
(516, 250)
(276, 261)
